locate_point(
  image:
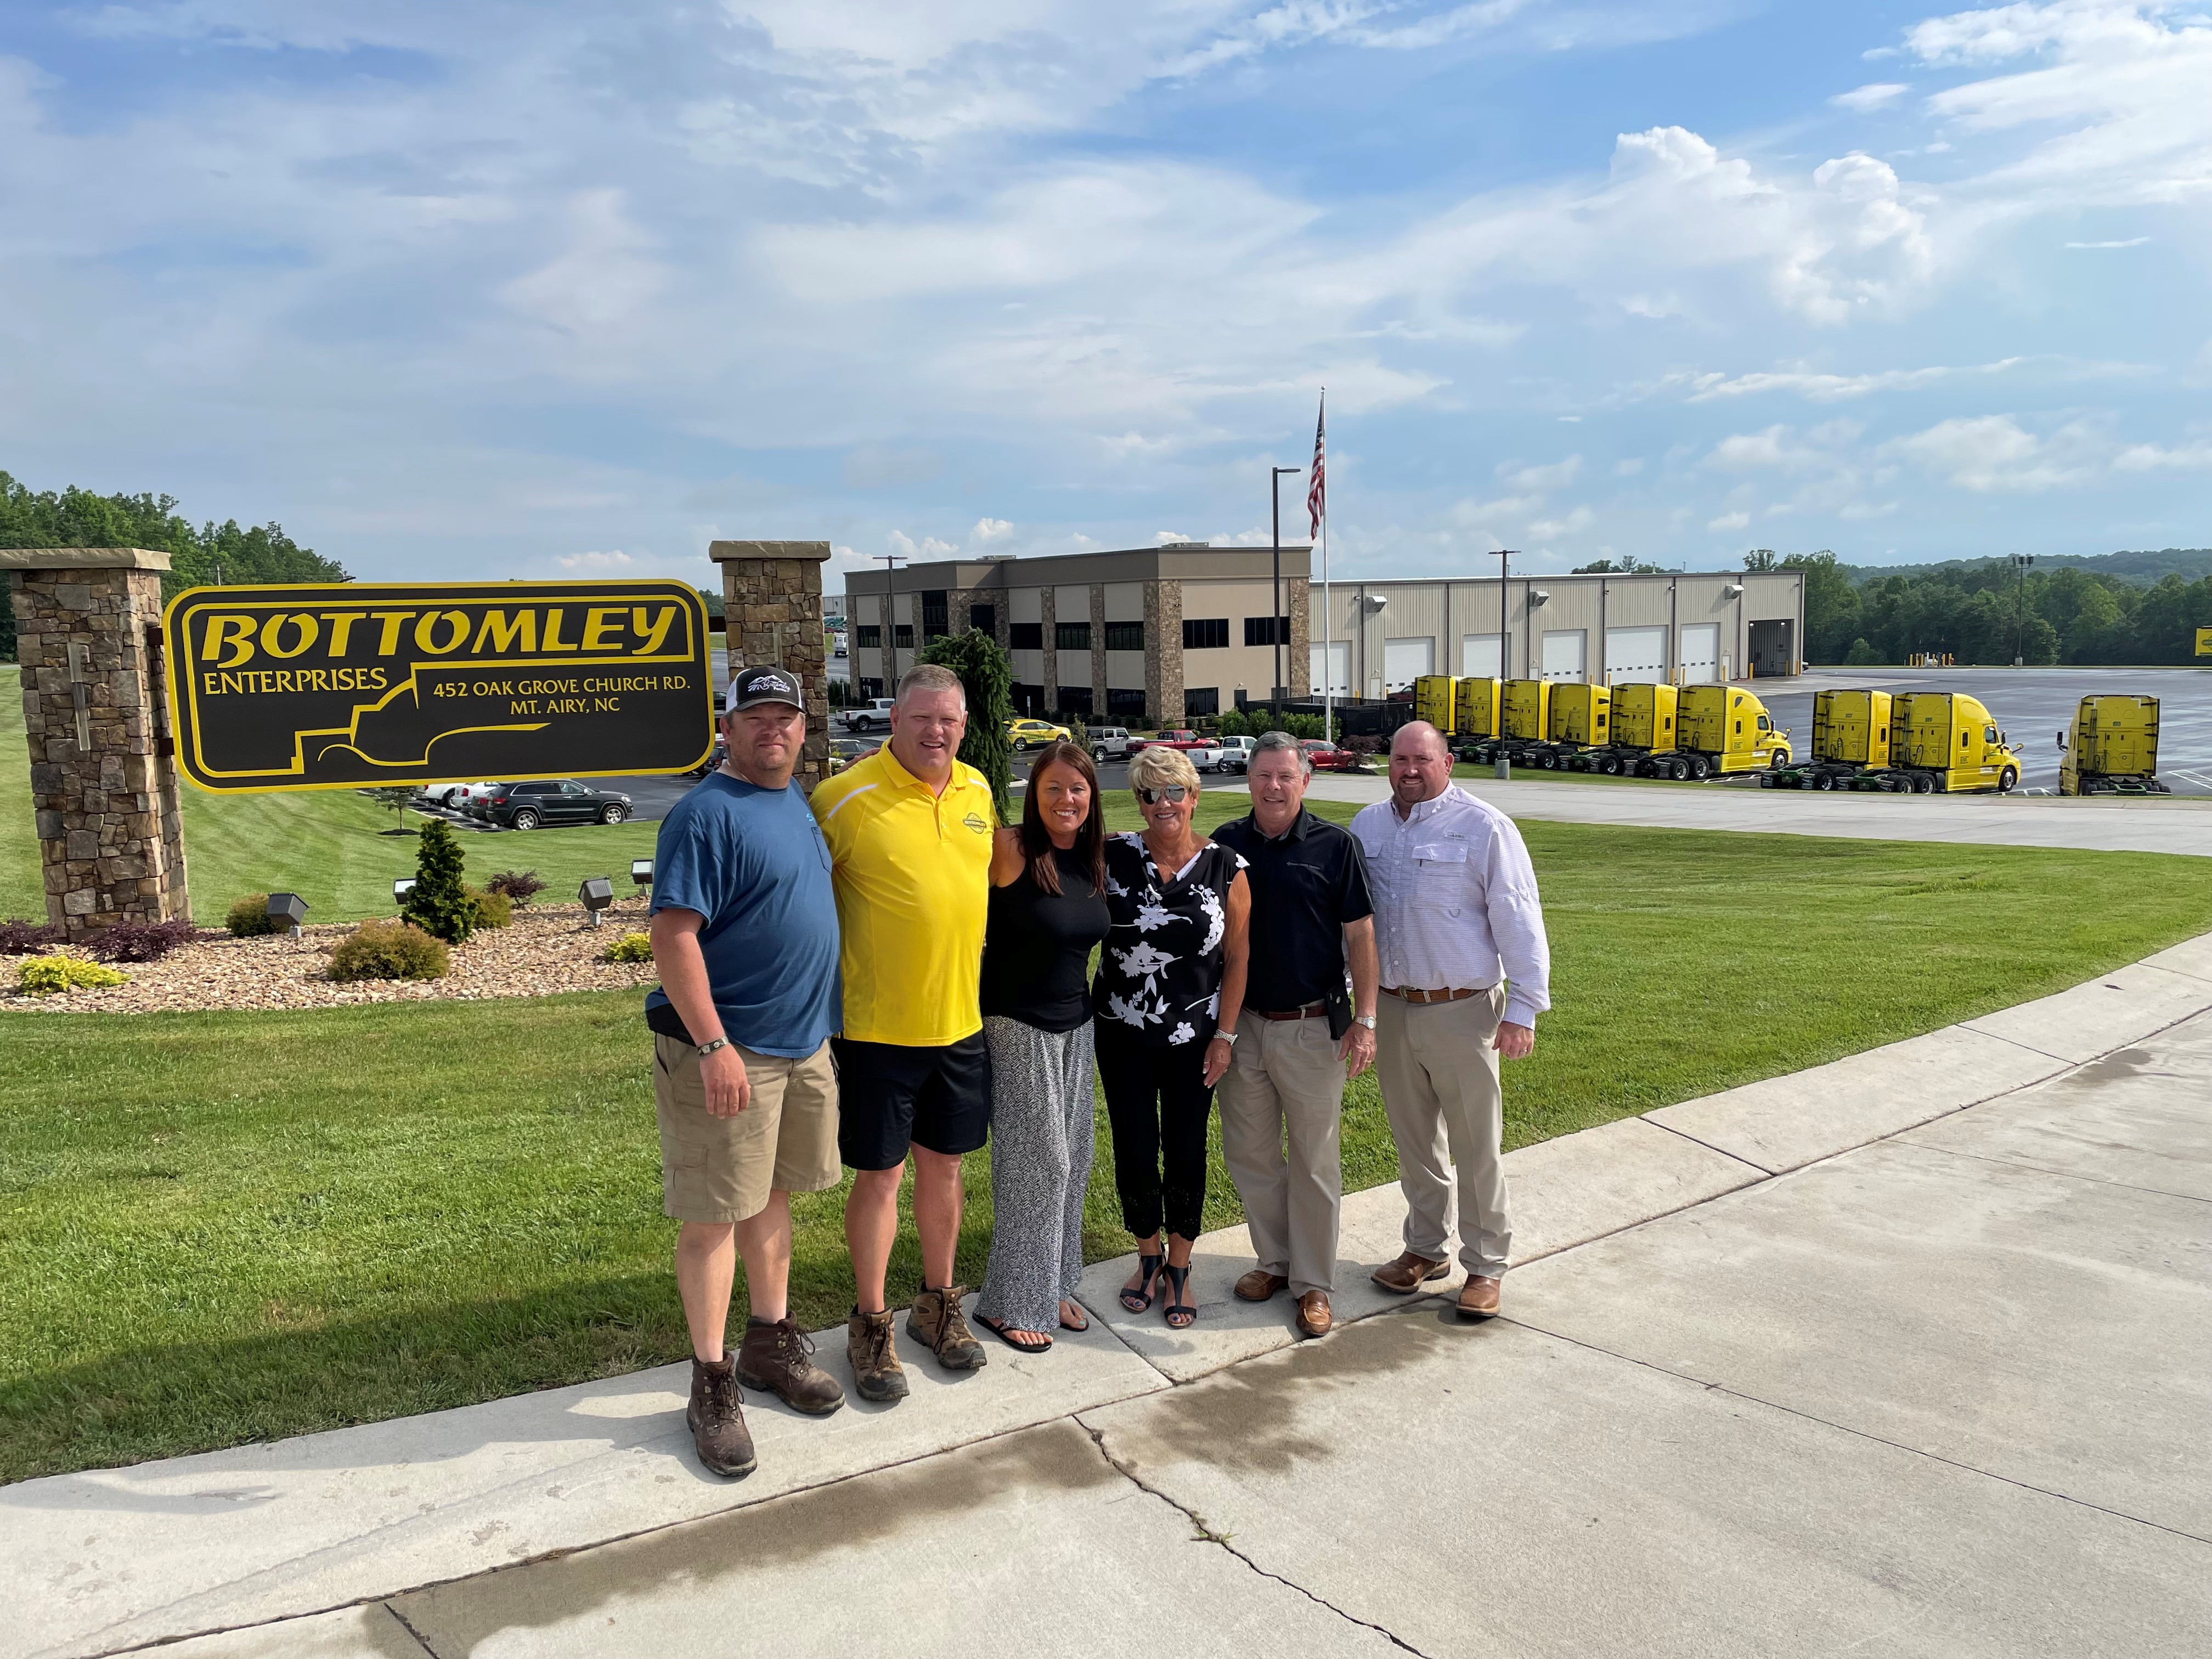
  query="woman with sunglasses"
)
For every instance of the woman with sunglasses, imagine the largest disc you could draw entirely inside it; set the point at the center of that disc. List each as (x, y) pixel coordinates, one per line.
(1048, 913)
(1170, 985)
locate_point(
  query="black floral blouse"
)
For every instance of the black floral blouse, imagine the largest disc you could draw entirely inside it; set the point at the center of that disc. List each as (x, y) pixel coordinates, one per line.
(1159, 976)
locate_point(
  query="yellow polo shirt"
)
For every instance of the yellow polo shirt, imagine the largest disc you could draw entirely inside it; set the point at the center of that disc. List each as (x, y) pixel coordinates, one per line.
(912, 872)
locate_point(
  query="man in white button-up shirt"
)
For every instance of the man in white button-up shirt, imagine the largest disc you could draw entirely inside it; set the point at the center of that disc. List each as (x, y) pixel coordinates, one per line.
(1465, 970)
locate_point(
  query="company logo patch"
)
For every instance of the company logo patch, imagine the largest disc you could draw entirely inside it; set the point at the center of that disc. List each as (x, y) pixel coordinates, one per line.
(975, 823)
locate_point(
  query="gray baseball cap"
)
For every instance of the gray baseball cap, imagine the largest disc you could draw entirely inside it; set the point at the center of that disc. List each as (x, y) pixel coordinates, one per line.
(759, 685)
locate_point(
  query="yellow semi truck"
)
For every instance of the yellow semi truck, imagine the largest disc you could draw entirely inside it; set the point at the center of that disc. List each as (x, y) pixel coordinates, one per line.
(1580, 719)
(1719, 730)
(1943, 742)
(1436, 700)
(1522, 728)
(1643, 725)
(1851, 732)
(2113, 748)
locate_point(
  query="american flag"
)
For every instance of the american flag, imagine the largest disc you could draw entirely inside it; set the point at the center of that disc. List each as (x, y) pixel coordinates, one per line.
(1318, 495)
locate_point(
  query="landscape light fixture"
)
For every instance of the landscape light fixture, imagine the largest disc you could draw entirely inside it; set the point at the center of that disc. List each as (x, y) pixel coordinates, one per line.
(400, 889)
(640, 872)
(288, 909)
(595, 894)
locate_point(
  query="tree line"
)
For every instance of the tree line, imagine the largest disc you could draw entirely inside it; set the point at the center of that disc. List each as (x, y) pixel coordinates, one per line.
(79, 518)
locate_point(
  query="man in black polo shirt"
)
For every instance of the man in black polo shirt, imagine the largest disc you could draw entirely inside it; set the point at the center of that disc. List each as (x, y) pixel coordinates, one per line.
(1310, 913)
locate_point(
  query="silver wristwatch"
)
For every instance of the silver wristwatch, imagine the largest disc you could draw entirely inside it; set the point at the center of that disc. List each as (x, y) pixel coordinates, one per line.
(1368, 1020)
(1228, 1038)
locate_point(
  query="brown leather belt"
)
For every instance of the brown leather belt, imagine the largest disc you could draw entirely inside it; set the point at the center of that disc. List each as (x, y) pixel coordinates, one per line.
(1311, 1011)
(1404, 994)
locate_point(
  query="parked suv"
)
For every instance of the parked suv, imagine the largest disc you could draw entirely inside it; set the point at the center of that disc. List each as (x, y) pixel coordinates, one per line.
(1109, 743)
(528, 805)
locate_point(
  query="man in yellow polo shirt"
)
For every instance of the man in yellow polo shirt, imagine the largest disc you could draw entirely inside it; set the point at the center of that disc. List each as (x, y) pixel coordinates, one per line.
(909, 835)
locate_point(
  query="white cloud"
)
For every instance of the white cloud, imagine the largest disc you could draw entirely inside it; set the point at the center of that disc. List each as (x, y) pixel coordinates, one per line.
(1827, 388)
(1728, 522)
(1750, 451)
(597, 563)
(1569, 523)
(1860, 99)
(2132, 242)
(1994, 453)
(1535, 480)
(2151, 458)
(988, 530)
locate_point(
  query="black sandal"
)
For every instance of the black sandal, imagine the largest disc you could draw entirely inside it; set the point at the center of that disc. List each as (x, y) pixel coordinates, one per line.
(1148, 1270)
(1000, 1328)
(1178, 1282)
(1081, 1322)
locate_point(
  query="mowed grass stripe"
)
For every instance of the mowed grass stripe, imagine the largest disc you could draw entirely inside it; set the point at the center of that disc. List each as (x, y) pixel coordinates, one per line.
(218, 1228)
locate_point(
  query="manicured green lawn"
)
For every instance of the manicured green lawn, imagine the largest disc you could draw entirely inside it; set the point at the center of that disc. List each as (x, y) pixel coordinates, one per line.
(217, 1228)
(22, 893)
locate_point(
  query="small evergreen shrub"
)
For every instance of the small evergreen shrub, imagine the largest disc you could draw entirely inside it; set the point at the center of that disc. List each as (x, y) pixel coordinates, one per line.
(519, 885)
(493, 909)
(144, 941)
(19, 939)
(42, 976)
(388, 950)
(630, 947)
(440, 903)
(249, 918)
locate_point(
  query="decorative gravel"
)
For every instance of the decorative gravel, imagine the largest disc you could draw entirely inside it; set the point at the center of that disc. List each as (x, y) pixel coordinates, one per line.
(549, 948)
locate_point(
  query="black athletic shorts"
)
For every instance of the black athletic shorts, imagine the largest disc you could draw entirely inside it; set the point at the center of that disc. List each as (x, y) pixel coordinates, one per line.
(890, 1096)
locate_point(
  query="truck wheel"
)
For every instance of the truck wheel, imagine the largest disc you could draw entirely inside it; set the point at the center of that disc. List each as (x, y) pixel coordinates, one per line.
(2006, 778)
(859, 723)
(1823, 780)
(1678, 770)
(1610, 766)
(1923, 784)
(1700, 768)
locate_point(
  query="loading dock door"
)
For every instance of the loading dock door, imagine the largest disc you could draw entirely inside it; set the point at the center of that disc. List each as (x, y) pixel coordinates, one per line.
(1340, 651)
(1479, 656)
(1635, 654)
(1701, 653)
(1772, 644)
(1566, 654)
(1405, 660)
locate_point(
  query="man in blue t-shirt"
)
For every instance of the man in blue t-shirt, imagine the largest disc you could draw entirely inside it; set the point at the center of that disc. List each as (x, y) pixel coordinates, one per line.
(745, 932)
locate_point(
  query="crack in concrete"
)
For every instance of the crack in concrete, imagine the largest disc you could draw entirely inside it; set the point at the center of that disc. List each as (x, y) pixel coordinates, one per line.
(1906, 1139)
(1208, 1535)
(421, 1640)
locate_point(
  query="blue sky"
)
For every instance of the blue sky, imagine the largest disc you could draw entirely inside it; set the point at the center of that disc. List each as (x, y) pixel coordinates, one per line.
(566, 289)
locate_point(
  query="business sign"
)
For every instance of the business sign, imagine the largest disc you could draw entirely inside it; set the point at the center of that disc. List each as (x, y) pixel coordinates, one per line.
(2204, 642)
(341, 685)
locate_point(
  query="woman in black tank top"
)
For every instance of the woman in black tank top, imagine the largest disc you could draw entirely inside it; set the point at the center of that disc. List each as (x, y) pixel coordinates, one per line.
(1048, 914)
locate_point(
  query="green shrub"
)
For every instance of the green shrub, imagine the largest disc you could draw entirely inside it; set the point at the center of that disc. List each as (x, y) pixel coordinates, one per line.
(440, 903)
(388, 950)
(630, 947)
(42, 976)
(249, 918)
(493, 909)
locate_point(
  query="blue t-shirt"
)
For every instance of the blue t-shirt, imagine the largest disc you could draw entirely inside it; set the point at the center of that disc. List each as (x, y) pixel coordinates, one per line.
(753, 863)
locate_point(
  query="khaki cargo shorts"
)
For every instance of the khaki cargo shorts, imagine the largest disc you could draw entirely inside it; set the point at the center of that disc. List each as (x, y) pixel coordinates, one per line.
(722, 1169)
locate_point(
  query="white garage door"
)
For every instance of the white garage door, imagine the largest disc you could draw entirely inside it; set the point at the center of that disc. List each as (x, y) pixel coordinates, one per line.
(1566, 654)
(1701, 653)
(1635, 654)
(1405, 661)
(1478, 655)
(1340, 651)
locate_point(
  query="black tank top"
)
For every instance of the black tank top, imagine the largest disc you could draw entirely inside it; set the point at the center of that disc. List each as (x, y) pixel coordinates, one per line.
(1036, 948)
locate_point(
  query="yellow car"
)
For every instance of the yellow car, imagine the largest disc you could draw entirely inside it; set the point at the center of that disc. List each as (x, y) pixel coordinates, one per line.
(1033, 734)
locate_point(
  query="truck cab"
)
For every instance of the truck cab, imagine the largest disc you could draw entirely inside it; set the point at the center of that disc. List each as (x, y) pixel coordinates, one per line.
(1722, 729)
(2113, 748)
(1946, 741)
(1436, 700)
(1475, 711)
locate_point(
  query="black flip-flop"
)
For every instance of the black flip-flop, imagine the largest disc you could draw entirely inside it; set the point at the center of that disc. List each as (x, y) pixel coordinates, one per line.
(1066, 1325)
(1000, 1330)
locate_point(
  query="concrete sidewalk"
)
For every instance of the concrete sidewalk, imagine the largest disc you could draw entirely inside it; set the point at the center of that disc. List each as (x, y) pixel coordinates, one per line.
(1902, 1354)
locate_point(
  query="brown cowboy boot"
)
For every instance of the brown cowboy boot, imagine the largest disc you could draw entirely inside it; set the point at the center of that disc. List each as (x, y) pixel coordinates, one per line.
(716, 1421)
(937, 1320)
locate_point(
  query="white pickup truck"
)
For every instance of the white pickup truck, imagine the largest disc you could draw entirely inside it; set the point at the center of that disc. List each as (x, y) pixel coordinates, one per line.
(874, 715)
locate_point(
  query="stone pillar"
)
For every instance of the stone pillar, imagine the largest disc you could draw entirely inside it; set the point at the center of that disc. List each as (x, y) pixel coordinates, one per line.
(772, 602)
(1298, 661)
(1049, 603)
(1164, 653)
(1098, 651)
(95, 710)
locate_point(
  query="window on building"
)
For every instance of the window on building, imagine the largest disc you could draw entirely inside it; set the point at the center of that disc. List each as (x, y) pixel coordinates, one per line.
(1124, 636)
(871, 689)
(983, 616)
(935, 625)
(1196, 703)
(1258, 630)
(1074, 699)
(870, 634)
(1025, 636)
(1026, 699)
(1126, 706)
(1072, 636)
(1204, 633)
(902, 636)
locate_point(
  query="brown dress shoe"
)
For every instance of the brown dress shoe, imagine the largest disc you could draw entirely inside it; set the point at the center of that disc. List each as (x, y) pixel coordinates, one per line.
(1478, 1298)
(1314, 1318)
(1408, 1273)
(779, 1358)
(936, 1319)
(1259, 1285)
(869, 1346)
(716, 1420)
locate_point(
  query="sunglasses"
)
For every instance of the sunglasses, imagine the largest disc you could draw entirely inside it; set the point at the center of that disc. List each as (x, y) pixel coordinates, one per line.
(1173, 792)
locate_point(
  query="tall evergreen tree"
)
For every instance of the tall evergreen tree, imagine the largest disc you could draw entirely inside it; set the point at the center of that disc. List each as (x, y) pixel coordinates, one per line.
(988, 678)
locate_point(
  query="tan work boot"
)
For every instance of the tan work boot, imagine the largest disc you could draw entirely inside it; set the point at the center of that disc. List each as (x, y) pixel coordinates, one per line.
(1408, 1273)
(1478, 1298)
(777, 1357)
(937, 1320)
(716, 1420)
(870, 1345)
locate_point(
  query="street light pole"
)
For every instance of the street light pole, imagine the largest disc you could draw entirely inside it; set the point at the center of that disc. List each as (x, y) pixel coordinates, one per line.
(1504, 557)
(1275, 617)
(2020, 562)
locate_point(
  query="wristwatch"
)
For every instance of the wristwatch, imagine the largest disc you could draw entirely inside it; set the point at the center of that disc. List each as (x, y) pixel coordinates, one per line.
(1228, 1038)
(707, 1048)
(1368, 1020)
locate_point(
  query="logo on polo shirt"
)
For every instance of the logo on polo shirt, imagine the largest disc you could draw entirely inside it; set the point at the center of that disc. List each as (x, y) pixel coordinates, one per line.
(975, 823)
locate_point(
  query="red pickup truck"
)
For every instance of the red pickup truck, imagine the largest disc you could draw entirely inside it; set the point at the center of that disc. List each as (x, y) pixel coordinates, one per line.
(1174, 738)
(1327, 757)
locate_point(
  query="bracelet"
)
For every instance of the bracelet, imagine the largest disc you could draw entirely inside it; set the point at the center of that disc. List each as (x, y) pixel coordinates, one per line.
(1228, 1038)
(707, 1048)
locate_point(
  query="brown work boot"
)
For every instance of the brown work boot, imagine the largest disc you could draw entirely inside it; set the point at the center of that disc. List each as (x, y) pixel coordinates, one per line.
(1259, 1285)
(1408, 1273)
(877, 1372)
(1478, 1298)
(937, 1320)
(778, 1358)
(717, 1423)
(1314, 1318)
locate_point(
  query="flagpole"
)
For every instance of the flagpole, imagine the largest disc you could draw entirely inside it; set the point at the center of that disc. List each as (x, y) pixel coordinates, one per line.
(1327, 610)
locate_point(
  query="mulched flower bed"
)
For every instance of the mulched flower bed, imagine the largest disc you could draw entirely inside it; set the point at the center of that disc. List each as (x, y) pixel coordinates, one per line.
(548, 949)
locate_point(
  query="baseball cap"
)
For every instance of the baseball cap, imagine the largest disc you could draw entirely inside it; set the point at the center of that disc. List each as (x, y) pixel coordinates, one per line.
(759, 685)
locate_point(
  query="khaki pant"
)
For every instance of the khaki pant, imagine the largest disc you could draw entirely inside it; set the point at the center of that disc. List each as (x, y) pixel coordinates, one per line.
(722, 1169)
(1285, 1082)
(1440, 1092)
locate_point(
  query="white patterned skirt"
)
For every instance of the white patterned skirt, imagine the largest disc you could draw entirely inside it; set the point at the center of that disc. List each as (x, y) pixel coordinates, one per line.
(1041, 1151)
